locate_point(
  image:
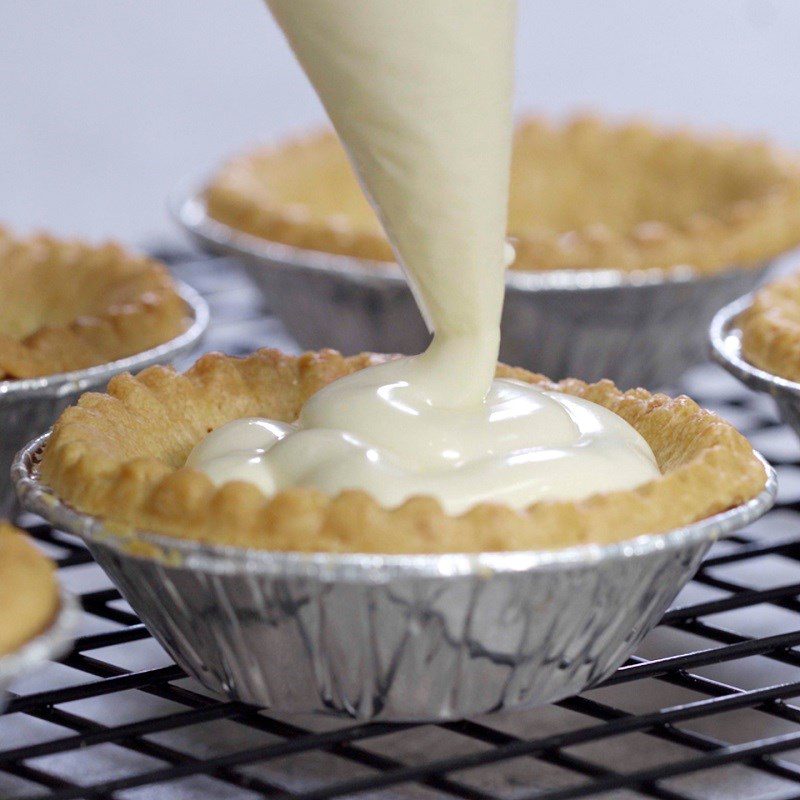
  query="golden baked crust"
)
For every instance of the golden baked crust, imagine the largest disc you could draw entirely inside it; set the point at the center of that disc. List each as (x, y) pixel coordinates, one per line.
(120, 455)
(771, 328)
(68, 305)
(584, 195)
(28, 589)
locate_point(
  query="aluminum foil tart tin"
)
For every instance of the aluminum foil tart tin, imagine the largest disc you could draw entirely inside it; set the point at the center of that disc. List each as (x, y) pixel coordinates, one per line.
(726, 350)
(53, 642)
(30, 406)
(421, 637)
(637, 328)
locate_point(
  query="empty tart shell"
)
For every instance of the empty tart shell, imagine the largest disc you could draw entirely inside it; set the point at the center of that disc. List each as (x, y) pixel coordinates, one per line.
(121, 456)
(68, 305)
(771, 328)
(586, 194)
(29, 595)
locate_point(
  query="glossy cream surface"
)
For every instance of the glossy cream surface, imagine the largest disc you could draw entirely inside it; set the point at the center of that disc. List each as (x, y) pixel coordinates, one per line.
(518, 446)
(420, 93)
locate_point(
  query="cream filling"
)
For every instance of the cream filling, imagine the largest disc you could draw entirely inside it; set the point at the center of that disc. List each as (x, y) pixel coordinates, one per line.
(520, 445)
(420, 93)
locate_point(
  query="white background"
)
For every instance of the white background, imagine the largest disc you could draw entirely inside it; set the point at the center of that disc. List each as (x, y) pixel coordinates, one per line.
(105, 105)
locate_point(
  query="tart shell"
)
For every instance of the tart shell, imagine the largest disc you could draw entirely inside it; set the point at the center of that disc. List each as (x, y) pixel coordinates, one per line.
(771, 328)
(69, 305)
(29, 597)
(120, 455)
(586, 194)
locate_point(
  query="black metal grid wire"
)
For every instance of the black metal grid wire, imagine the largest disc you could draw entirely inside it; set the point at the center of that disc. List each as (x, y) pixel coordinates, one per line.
(706, 709)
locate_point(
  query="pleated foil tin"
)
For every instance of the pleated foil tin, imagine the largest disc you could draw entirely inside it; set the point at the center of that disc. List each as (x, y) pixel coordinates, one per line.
(726, 350)
(428, 637)
(51, 643)
(638, 329)
(30, 406)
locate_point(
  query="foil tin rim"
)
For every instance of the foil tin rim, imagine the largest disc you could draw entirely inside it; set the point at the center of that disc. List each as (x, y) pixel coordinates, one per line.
(726, 350)
(66, 383)
(359, 567)
(187, 207)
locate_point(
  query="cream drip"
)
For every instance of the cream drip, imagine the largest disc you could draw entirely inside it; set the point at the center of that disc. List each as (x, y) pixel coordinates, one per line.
(420, 93)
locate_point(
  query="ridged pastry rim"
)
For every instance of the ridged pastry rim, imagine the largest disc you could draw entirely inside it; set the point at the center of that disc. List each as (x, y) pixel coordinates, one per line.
(109, 332)
(770, 328)
(746, 232)
(119, 456)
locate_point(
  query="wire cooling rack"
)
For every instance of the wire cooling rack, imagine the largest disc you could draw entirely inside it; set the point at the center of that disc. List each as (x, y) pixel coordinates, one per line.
(708, 707)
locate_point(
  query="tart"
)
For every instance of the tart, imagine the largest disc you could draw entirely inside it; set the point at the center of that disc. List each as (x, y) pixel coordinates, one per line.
(121, 455)
(29, 597)
(771, 328)
(585, 194)
(68, 305)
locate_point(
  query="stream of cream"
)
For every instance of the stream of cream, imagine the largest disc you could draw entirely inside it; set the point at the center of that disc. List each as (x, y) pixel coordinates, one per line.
(420, 93)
